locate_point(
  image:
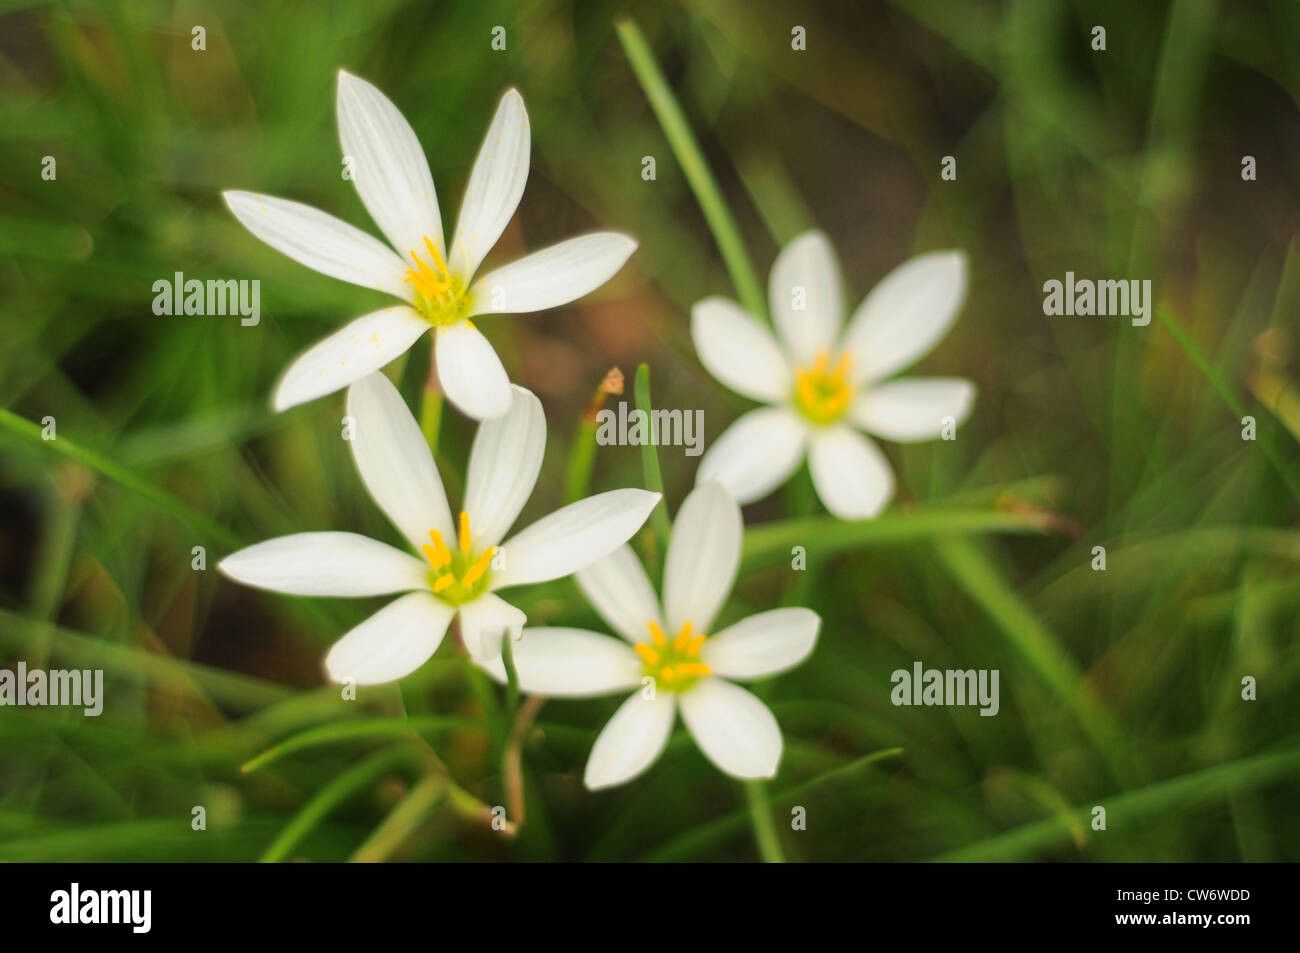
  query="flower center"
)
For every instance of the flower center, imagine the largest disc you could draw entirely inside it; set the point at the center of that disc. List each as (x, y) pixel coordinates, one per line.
(673, 664)
(439, 294)
(822, 393)
(457, 577)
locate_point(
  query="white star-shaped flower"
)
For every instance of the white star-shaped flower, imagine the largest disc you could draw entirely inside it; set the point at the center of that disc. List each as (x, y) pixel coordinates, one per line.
(677, 666)
(436, 283)
(822, 385)
(464, 563)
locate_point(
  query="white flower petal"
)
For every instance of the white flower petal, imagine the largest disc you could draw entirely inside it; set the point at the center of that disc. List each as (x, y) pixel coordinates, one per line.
(389, 168)
(569, 662)
(503, 467)
(631, 741)
(553, 276)
(470, 371)
(739, 351)
(733, 728)
(358, 348)
(495, 186)
(620, 591)
(703, 556)
(913, 408)
(806, 273)
(905, 315)
(326, 564)
(485, 621)
(574, 537)
(321, 242)
(756, 454)
(763, 644)
(392, 643)
(395, 463)
(850, 473)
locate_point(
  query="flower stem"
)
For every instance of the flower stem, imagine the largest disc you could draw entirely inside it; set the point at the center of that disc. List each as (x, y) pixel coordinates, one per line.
(513, 761)
(760, 818)
(512, 675)
(687, 150)
(654, 480)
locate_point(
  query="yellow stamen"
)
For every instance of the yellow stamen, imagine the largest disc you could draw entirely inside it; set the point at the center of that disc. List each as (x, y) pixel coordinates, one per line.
(435, 254)
(679, 643)
(433, 284)
(477, 570)
(694, 668)
(673, 661)
(461, 576)
(657, 634)
(444, 554)
(823, 392)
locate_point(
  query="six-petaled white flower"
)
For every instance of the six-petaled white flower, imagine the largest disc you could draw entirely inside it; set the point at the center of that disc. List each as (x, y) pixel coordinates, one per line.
(822, 384)
(436, 281)
(464, 563)
(669, 654)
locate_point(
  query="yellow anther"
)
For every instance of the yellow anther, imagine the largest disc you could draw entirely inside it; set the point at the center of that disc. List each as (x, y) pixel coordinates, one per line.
(648, 655)
(694, 668)
(440, 550)
(435, 254)
(477, 570)
(465, 539)
(667, 673)
(696, 644)
(679, 643)
(657, 634)
(443, 582)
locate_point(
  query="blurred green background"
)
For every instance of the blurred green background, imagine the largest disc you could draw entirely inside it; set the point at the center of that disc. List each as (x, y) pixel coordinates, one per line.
(1119, 688)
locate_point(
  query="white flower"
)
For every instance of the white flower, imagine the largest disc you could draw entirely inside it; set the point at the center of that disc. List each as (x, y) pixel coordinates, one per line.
(464, 564)
(436, 283)
(673, 667)
(822, 384)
